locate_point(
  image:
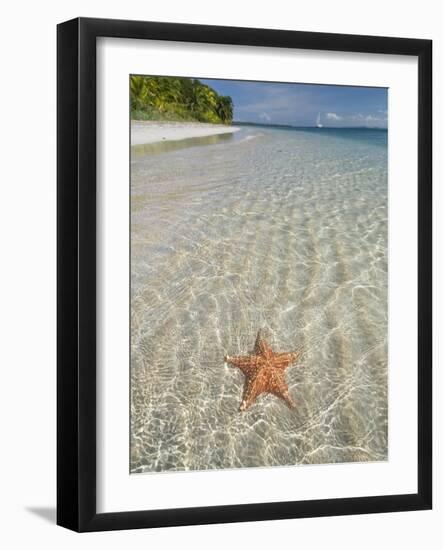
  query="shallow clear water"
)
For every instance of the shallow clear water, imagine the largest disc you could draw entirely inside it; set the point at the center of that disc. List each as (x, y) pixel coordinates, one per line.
(272, 229)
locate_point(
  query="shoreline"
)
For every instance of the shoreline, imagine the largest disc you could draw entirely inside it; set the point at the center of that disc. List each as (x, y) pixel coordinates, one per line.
(144, 132)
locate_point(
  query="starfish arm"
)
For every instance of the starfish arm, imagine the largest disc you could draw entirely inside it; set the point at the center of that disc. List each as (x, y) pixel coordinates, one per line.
(283, 360)
(254, 387)
(278, 387)
(288, 400)
(248, 364)
(262, 347)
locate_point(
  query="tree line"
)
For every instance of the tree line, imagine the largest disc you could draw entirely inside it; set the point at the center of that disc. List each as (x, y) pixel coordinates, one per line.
(170, 98)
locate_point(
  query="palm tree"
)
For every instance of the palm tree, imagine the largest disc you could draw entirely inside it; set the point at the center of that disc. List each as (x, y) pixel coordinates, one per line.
(225, 109)
(138, 91)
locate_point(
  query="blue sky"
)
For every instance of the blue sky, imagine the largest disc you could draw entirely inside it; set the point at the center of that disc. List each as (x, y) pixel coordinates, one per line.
(299, 104)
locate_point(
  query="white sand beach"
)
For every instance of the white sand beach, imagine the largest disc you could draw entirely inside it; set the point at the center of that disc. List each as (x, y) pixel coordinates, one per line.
(144, 132)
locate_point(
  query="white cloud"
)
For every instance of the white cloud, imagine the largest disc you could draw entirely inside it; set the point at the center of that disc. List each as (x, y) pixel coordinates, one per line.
(360, 119)
(333, 116)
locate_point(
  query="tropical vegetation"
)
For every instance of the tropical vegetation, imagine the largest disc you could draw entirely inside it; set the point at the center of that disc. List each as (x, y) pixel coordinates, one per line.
(170, 98)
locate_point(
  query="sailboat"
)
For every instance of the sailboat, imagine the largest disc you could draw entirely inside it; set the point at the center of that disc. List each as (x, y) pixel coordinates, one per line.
(319, 124)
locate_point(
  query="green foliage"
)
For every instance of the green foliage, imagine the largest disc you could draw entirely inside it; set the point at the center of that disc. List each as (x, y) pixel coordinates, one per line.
(169, 98)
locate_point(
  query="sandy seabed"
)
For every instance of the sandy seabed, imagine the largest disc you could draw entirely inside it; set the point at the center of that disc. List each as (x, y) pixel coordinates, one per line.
(273, 229)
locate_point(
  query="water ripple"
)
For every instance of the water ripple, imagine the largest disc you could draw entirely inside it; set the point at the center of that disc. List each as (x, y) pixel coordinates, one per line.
(286, 232)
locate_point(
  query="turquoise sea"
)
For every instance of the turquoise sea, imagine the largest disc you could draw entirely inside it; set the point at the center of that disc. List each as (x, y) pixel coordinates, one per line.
(283, 230)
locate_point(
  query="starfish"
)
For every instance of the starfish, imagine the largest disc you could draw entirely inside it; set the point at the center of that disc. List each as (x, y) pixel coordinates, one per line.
(264, 371)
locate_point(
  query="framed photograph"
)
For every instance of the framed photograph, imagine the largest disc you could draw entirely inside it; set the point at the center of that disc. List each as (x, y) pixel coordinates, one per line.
(244, 274)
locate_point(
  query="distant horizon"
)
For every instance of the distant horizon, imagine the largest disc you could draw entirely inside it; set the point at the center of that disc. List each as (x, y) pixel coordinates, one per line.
(305, 105)
(323, 127)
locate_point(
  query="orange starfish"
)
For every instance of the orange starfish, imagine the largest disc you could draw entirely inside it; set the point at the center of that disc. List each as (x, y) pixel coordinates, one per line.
(264, 372)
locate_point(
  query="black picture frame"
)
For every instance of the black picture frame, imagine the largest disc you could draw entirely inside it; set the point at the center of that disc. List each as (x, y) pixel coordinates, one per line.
(76, 279)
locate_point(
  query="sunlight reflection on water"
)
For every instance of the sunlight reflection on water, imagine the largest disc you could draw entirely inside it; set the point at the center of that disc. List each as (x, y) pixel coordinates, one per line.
(284, 231)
